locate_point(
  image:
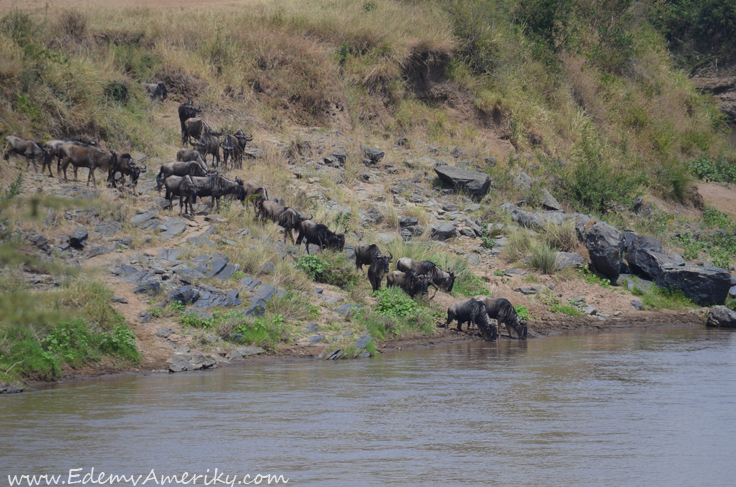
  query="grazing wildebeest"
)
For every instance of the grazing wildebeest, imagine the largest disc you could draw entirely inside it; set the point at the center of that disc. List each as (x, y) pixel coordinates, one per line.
(319, 234)
(191, 168)
(90, 157)
(411, 283)
(504, 312)
(438, 278)
(378, 269)
(290, 220)
(157, 91)
(185, 189)
(472, 311)
(187, 110)
(53, 147)
(218, 186)
(186, 155)
(256, 193)
(195, 128)
(28, 149)
(126, 167)
(209, 144)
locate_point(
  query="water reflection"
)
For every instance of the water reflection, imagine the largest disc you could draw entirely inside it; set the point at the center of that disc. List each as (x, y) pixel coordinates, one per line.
(626, 408)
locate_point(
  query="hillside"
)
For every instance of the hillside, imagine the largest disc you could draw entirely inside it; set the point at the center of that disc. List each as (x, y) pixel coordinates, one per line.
(562, 99)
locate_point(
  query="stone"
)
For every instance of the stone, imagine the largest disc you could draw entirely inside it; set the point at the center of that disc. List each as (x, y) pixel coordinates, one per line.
(119, 299)
(315, 339)
(604, 247)
(645, 257)
(184, 295)
(268, 268)
(408, 221)
(151, 286)
(549, 202)
(732, 292)
(145, 316)
(78, 239)
(163, 203)
(172, 227)
(590, 311)
(348, 309)
(201, 241)
(375, 215)
(108, 229)
(721, 316)
(99, 250)
(169, 255)
(530, 290)
(568, 259)
(474, 183)
(385, 238)
(164, 332)
(179, 363)
(705, 285)
(143, 218)
(335, 354)
(266, 292)
(374, 156)
(473, 259)
(311, 327)
(217, 263)
(442, 231)
(514, 272)
(627, 239)
(254, 310)
(450, 207)
(249, 351)
(637, 304)
(226, 272)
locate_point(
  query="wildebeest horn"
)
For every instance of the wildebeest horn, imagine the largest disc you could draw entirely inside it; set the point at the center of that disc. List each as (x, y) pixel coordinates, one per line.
(390, 256)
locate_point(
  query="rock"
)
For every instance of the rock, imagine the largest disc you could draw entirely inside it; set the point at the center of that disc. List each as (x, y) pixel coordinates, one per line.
(645, 257)
(254, 310)
(375, 214)
(78, 239)
(408, 221)
(164, 332)
(268, 268)
(311, 327)
(184, 295)
(266, 292)
(637, 304)
(720, 316)
(530, 290)
(474, 183)
(179, 363)
(706, 285)
(385, 238)
(172, 227)
(569, 259)
(226, 272)
(151, 286)
(163, 203)
(473, 259)
(514, 272)
(732, 292)
(347, 309)
(108, 229)
(590, 311)
(200, 241)
(335, 354)
(234, 355)
(450, 207)
(626, 240)
(217, 264)
(145, 316)
(604, 246)
(442, 231)
(139, 220)
(549, 202)
(169, 255)
(315, 339)
(118, 299)
(249, 351)
(374, 156)
(99, 250)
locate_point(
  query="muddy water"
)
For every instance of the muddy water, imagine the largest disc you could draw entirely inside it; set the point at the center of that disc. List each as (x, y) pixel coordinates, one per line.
(651, 408)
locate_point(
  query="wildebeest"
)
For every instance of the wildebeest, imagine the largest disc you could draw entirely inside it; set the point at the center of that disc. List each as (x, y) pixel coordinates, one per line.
(256, 193)
(475, 312)
(411, 283)
(126, 167)
(191, 168)
(185, 189)
(230, 150)
(287, 218)
(242, 140)
(195, 128)
(186, 155)
(438, 278)
(90, 157)
(157, 91)
(209, 143)
(187, 110)
(218, 186)
(504, 312)
(28, 149)
(378, 269)
(365, 254)
(319, 234)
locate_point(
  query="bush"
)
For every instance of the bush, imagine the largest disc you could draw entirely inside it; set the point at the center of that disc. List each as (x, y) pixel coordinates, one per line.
(542, 258)
(333, 269)
(562, 237)
(722, 170)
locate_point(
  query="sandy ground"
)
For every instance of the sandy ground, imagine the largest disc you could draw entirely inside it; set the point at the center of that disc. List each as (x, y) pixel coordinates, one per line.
(721, 196)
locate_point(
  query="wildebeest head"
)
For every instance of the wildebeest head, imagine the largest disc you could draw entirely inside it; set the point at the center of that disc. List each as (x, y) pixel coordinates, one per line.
(241, 190)
(522, 329)
(162, 90)
(340, 241)
(385, 261)
(448, 282)
(419, 283)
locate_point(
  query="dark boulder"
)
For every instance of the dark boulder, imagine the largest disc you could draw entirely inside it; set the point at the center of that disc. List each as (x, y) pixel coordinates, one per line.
(646, 257)
(476, 184)
(720, 316)
(705, 285)
(443, 231)
(604, 246)
(184, 295)
(372, 156)
(78, 239)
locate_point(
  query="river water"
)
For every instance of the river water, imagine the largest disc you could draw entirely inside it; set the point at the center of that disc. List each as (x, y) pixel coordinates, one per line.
(654, 408)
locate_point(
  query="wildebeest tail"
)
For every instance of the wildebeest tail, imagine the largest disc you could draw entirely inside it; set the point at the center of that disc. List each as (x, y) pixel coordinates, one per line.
(160, 179)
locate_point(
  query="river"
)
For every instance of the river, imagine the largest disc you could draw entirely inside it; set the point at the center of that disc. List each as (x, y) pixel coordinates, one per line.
(626, 408)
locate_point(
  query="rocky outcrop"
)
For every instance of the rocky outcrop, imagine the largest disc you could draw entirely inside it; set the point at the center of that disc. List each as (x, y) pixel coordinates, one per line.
(722, 317)
(604, 246)
(705, 285)
(442, 231)
(476, 184)
(537, 220)
(646, 257)
(723, 90)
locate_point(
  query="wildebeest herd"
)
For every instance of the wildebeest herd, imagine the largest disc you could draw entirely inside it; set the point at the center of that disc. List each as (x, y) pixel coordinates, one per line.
(189, 178)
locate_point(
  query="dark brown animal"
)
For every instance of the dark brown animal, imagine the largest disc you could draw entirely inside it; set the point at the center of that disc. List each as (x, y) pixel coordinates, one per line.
(411, 283)
(504, 312)
(218, 186)
(209, 143)
(90, 157)
(256, 193)
(126, 167)
(378, 269)
(191, 168)
(28, 149)
(187, 155)
(472, 311)
(157, 91)
(187, 110)
(438, 278)
(195, 128)
(185, 189)
(319, 234)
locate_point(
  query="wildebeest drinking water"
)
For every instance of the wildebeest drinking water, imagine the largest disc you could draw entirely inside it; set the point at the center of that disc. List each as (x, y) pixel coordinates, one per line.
(472, 311)
(504, 312)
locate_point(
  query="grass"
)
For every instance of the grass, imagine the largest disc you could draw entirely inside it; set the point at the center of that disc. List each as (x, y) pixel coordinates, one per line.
(329, 268)
(656, 298)
(542, 258)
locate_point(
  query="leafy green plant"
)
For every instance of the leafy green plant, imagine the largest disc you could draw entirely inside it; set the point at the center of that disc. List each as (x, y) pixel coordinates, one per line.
(14, 189)
(177, 307)
(591, 278)
(567, 309)
(720, 170)
(394, 302)
(716, 219)
(499, 272)
(471, 285)
(333, 269)
(522, 311)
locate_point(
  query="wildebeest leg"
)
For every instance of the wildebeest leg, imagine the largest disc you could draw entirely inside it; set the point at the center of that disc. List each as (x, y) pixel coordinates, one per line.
(435, 290)
(28, 163)
(64, 166)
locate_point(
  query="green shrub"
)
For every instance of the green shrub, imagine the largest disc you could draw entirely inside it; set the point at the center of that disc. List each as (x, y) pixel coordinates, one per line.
(567, 309)
(394, 302)
(522, 311)
(333, 269)
(722, 170)
(591, 278)
(542, 258)
(714, 218)
(657, 298)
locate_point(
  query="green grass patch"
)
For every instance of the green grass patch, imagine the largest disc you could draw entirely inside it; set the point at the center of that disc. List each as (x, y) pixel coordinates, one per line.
(522, 311)
(329, 268)
(591, 278)
(567, 309)
(656, 298)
